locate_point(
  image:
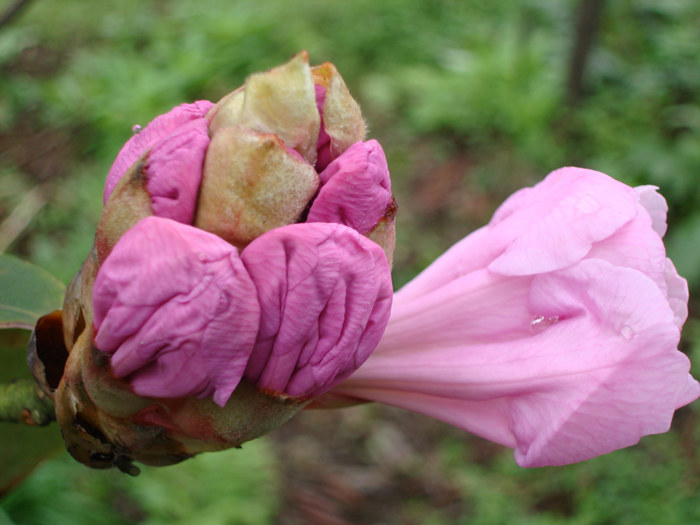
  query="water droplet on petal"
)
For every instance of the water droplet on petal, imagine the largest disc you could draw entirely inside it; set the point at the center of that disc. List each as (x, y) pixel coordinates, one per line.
(540, 323)
(136, 129)
(627, 332)
(202, 256)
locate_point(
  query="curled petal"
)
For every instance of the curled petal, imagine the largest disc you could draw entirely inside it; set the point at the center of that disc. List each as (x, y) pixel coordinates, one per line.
(555, 224)
(325, 297)
(626, 379)
(678, 295)
(177, 310)
(550, 226)
(356, 188)
(174, 171)
(656, 205)
(635, 245)
(159, 128)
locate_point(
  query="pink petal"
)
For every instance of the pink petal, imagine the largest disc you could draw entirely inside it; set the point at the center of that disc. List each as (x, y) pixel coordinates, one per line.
(489, 308)
(472, 253)
(325, 297)
(553, 330)
(677, 291)
(159, 128)
(550, 226)
(635, 245)
(656, 205)
(356, 189)
(177, 310)
(174, 169)
(564, 215)
(604, 375)
(323, 147)
(631, 377)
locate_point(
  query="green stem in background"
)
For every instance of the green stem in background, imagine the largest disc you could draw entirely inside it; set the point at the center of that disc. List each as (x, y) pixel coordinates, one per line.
(22, 402)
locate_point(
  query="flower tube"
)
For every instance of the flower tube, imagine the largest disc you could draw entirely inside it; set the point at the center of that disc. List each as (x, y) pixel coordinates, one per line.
(553, 330)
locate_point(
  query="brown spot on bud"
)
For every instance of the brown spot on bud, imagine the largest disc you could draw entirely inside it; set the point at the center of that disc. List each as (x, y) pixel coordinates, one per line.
(384, 232)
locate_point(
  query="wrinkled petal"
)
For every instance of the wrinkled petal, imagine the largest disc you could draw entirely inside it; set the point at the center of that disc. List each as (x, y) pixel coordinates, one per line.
(174, 170)
(325, 297)
(177, 310)
(158, 129)
(356, 189)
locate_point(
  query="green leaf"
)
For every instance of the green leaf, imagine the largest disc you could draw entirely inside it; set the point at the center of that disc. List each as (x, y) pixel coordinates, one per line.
(26, 293)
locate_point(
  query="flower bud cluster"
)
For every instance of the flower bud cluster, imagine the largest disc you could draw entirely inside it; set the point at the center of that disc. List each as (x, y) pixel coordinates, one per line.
(241, 267)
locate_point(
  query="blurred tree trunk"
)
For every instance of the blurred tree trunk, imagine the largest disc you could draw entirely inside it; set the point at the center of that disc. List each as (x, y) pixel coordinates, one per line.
(11, 11)
(588, 18)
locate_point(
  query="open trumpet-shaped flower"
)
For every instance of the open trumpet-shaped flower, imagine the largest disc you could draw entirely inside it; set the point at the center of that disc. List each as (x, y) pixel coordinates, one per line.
(553, 330)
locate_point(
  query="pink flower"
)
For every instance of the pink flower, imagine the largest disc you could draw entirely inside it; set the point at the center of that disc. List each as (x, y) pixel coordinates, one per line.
(183, 314)
(553, 330)
(229, 287)
(241, 267)
(187, 116)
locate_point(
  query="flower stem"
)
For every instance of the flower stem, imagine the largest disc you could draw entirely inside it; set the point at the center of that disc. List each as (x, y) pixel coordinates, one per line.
(22, 402)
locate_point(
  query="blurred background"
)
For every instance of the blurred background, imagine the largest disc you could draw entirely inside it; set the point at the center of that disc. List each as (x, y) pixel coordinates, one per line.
(471, 99)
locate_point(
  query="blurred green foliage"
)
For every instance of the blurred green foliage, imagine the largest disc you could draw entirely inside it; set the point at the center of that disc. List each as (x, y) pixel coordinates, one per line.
(236, 487)
(22, 447)
(28, 292)
(481, 78)
(650, 483)
(469, 101)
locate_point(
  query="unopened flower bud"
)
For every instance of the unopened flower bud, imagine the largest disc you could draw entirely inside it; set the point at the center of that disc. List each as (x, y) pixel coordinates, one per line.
(241, 268)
